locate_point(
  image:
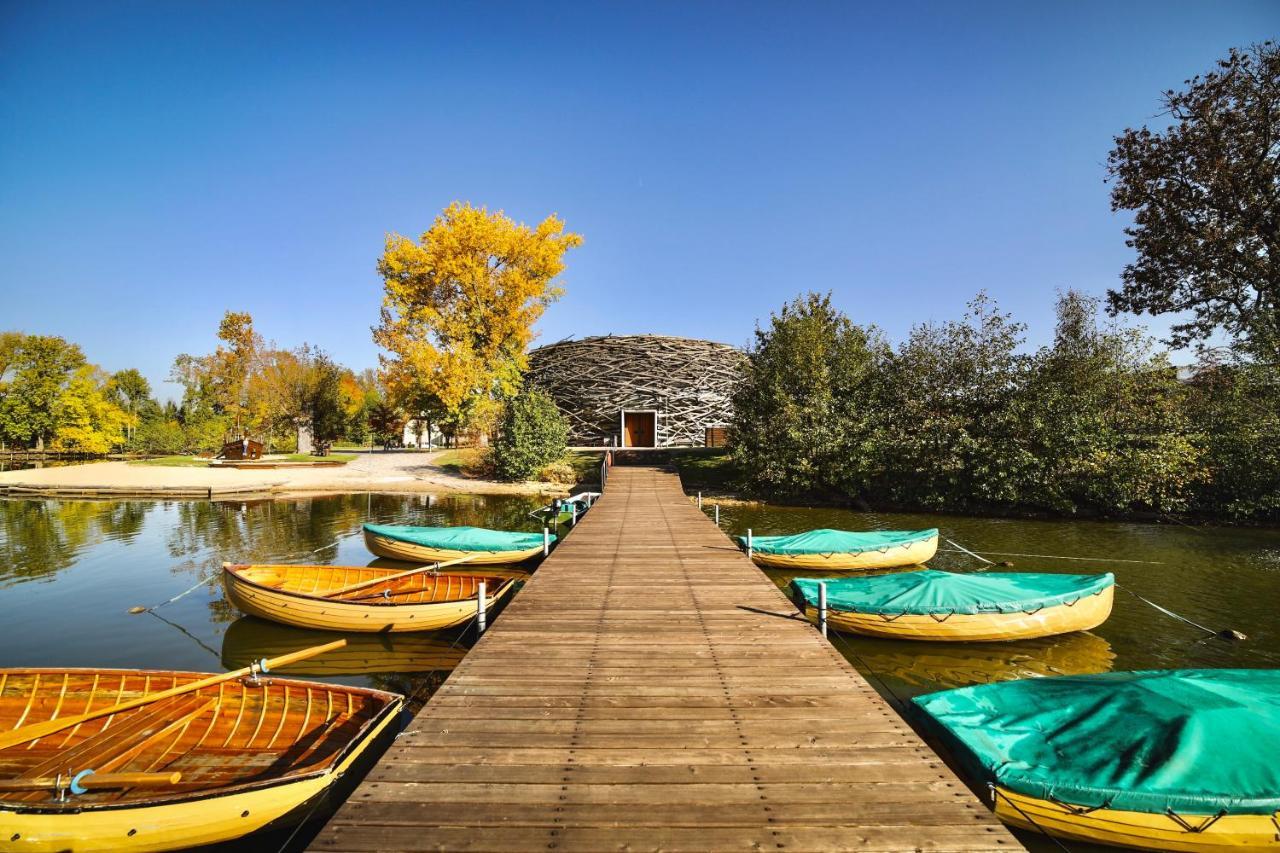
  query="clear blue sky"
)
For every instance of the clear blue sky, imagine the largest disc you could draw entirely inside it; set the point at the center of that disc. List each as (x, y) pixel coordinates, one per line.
(163, 162)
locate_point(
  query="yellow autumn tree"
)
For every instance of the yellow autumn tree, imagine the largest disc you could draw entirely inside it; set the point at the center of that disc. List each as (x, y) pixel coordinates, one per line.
(460, 305)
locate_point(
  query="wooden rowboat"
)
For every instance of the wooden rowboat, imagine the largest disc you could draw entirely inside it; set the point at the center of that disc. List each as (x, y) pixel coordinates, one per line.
(951, 607)
(481, 547)
(202, 767)
(297, 595)
(1161, 760)
(844, 550)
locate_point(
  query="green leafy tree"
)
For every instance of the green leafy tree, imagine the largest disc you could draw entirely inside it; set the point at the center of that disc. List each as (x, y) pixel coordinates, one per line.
(1107, 421)
(531, 435)
(1235, 408)
(800, 419)
(948, 432)
(1205, 192)
(131, 391)
(41, 367)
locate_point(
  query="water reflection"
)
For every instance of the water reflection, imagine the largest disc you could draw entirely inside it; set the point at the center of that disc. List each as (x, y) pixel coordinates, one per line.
(910, 668)
(39, 538)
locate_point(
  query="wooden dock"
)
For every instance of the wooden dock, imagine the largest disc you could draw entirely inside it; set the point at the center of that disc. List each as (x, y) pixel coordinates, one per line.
(650, 689)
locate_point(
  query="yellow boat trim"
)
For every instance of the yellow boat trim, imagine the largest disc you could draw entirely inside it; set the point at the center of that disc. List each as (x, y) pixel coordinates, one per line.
(395, 549)
(1140, 830)
(1086, 613)
(891, 557)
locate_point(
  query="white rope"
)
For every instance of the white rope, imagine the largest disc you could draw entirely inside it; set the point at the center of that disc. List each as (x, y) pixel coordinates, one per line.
(970, 553)
(1053, 556)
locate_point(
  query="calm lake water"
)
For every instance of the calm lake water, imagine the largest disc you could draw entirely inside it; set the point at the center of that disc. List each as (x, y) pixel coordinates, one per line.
(71, 570)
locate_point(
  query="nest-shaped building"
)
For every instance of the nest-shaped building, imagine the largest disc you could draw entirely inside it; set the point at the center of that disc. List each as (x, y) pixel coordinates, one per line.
(640, 390)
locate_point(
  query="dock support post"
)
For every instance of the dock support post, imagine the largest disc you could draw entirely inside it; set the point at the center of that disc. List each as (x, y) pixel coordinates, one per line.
(546, 541)
(748, 543)
(575, 514)
(717, 515)
(480, 608)
(699, 500)
(822, 607)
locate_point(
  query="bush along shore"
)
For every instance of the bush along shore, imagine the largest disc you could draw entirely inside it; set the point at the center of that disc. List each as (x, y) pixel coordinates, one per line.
(959, 417)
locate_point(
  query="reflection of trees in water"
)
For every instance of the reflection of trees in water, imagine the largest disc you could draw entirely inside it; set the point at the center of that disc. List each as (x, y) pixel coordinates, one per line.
(39, 538)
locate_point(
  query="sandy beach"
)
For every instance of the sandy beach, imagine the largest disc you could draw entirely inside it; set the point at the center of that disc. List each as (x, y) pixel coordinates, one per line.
(377, 471)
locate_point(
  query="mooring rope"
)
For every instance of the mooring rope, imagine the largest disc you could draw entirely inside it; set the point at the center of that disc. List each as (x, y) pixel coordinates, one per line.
(970, 553)
(1053, 557)
(996, 792)
(204, 580)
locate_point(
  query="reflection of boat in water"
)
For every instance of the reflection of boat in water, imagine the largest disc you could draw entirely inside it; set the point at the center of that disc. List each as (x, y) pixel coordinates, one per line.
(938, 666)
(249, 639)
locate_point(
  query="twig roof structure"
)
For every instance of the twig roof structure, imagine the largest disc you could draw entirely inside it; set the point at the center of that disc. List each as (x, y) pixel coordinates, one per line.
(688, 382)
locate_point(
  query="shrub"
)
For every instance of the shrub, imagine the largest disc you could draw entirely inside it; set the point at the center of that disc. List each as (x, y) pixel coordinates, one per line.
(560, 472)
(531, 435)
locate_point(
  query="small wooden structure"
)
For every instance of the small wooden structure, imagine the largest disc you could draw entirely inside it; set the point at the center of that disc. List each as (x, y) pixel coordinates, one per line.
(240, 450)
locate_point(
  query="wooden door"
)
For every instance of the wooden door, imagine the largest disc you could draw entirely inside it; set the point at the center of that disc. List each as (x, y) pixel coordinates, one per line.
(638, 429)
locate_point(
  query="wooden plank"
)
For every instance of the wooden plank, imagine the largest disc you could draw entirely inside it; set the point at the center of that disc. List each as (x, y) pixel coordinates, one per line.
(651, 689)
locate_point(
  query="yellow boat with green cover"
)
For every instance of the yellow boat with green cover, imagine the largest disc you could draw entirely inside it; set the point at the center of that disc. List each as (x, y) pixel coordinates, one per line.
(844, 550)
(1167, 760)
(953, 607)
(202, 767)
(318, 596)
(481, 546)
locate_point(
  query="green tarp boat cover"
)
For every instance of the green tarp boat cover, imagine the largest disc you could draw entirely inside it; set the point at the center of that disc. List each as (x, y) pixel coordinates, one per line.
(930, 592)
(1196, 741)
(459, 538)
(838, 541)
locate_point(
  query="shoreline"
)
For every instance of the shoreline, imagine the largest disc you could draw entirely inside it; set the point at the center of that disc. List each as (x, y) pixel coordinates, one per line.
(377, 472)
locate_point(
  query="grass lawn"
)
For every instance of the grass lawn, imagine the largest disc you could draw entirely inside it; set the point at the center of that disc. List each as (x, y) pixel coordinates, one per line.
(177, 461)
(586, 466)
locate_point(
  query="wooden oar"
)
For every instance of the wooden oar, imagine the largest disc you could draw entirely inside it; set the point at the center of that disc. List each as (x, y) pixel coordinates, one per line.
(430, 567)
(94, 781)
(48, 727)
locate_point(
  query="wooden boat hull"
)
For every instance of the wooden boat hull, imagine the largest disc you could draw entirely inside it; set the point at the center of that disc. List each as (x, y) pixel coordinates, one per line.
(913, 554)
(251, 590)
(397, 549)
(1087, 613)
(189, 814)
(1138, 830)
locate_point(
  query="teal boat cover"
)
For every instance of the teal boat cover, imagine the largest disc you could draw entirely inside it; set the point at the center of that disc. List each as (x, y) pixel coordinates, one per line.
(459, 538)
(929, 592)
(1194, 741)
(838, 541)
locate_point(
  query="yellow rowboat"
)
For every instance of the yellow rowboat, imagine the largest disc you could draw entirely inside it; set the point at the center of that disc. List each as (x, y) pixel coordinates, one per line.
(297, 595)
(203, 767)
(481, 547)
(949, 607)
(843, 550)
(249, 638)
(1167, 760)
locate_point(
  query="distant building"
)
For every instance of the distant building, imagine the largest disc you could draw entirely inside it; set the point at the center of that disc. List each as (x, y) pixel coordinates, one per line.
(640, 390)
